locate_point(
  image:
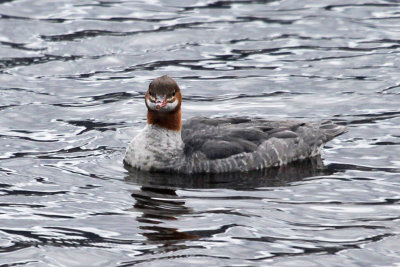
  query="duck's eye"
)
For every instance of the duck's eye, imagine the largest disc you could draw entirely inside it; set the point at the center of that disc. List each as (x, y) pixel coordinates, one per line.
(173, 94)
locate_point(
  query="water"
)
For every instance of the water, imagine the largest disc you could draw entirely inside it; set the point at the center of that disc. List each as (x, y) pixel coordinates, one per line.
(72, 80)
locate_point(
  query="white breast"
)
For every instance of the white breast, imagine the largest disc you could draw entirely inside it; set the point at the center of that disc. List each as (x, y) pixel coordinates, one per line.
(155, 148)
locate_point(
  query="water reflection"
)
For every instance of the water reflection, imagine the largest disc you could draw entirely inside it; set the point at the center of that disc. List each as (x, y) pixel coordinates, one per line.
(158, 200)
(158, 205)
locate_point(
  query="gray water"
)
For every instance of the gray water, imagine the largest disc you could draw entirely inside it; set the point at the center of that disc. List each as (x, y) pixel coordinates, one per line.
(72, 81)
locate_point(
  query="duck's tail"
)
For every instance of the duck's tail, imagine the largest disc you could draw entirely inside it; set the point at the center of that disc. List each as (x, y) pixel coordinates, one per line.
(331, 129)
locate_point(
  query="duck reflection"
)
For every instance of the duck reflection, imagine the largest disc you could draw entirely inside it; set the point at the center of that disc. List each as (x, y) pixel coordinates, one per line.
(159, 203)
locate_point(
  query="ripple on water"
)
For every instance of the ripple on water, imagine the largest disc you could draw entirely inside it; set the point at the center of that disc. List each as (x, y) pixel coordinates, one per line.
(73, 76)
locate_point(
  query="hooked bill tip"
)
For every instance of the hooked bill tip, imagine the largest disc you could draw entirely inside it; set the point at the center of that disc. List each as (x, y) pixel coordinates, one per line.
(161, 104)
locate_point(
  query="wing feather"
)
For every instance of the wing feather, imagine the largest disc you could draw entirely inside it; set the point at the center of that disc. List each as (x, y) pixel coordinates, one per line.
(225, 137)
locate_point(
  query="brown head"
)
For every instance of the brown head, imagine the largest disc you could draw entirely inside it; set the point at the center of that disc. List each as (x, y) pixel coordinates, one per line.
(163, 101)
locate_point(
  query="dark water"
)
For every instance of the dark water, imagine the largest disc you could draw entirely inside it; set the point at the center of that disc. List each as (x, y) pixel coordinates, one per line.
(72, 78)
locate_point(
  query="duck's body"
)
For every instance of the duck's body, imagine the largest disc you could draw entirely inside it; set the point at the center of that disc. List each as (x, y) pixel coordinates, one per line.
(156, 149)
(204, 145)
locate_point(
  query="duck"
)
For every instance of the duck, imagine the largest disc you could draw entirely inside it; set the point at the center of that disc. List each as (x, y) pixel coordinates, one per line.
(218, 145)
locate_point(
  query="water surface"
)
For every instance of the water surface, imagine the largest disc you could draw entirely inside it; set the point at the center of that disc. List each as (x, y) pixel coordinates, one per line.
(72, 81)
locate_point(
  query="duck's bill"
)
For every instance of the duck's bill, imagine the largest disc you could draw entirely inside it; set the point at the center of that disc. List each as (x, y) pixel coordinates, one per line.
(162, 103)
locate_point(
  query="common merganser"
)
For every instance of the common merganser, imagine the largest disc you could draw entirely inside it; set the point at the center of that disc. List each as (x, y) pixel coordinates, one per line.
(218, 145)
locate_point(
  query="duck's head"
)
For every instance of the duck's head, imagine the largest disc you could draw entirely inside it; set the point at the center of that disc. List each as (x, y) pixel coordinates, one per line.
(163, 101)
(163, 95)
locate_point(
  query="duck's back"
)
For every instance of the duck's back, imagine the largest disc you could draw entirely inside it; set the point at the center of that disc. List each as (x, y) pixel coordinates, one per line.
(243, 144)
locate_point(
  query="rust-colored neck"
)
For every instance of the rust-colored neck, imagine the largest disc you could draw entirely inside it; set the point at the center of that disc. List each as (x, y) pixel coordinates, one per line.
(168, 120)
